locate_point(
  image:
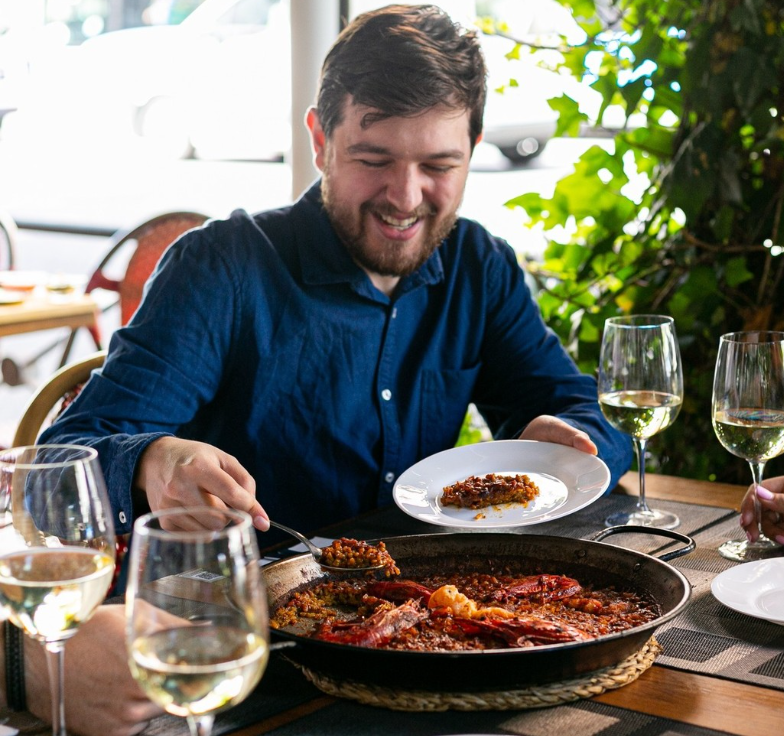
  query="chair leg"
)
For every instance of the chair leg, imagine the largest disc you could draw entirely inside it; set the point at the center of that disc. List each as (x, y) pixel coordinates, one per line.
(12, 372)
(67, 349)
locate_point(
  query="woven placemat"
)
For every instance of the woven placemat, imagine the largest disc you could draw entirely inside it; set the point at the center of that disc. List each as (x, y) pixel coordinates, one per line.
(535, 696)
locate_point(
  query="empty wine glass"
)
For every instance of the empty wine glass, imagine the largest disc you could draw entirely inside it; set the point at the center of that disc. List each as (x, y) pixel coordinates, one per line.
(640, 394)
(58, 561)
(197, 628)
(748, 415)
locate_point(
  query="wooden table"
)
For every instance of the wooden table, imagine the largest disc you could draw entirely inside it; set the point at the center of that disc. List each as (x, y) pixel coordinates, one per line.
(685, 697)
(45, 312)
(745, 710)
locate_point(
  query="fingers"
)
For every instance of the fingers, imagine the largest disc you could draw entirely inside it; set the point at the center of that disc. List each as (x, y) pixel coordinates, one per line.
(177, 473)
(584, 443)
(748, 517)
(771, 511)
(244, 479)
(552, 429)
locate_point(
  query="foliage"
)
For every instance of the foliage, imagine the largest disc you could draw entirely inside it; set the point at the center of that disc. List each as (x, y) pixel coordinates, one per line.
(702, 238)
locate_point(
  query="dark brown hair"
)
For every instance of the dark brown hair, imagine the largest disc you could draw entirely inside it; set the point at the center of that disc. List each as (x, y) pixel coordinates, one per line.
(402, 60)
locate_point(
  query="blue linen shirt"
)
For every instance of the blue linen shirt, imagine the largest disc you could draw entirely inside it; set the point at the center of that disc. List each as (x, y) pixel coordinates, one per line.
(260, 335)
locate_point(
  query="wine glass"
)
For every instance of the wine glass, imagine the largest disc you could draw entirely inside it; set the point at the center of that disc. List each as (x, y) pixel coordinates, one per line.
(196, 611)
(58, 562)
(640, 394)
(748, 415)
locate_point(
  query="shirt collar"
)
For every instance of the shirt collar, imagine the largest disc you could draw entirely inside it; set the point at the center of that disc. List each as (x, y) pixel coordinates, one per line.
(325, 260)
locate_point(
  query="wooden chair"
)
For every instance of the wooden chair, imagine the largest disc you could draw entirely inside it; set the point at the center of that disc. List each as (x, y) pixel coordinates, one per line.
(45, 405)
(48, 401)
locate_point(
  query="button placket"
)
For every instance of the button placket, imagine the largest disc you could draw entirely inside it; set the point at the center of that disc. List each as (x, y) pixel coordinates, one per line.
(388, 410)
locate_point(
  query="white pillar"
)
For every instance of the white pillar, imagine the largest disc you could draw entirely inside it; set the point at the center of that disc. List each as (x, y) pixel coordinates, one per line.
(314, 27)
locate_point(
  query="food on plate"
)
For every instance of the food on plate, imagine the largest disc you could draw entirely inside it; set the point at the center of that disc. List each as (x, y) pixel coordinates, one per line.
(350, 553)
(479, 492)
(462, 611)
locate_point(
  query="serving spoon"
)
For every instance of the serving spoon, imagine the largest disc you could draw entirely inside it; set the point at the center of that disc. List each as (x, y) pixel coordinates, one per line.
(317, 552)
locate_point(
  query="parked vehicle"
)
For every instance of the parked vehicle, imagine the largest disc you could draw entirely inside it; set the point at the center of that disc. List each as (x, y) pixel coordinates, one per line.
(218, 85)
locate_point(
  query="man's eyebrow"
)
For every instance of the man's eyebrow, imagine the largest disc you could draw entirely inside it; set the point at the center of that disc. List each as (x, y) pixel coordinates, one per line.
(360, 148)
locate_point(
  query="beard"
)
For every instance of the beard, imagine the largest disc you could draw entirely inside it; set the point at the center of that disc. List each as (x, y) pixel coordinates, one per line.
(393, 257)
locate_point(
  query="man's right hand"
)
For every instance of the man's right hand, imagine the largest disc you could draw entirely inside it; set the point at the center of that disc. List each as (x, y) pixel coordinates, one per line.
(174, 473)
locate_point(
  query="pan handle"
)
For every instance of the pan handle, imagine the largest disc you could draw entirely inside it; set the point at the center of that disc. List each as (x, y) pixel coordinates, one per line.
(278, 645)
(689, 543)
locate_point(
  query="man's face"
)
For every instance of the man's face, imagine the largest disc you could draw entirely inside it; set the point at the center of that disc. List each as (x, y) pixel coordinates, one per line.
(392, 189)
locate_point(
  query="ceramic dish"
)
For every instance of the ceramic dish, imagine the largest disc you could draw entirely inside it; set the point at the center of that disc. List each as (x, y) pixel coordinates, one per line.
(568, 481)
(753, 588)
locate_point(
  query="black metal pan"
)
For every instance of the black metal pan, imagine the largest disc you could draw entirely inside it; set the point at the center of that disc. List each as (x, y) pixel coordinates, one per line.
(588, 561)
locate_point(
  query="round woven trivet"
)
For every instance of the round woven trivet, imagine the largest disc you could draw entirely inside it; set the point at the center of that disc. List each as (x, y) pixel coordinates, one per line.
(535, 696)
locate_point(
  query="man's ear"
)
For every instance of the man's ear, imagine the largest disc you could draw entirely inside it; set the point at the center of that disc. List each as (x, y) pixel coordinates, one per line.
(317, 137)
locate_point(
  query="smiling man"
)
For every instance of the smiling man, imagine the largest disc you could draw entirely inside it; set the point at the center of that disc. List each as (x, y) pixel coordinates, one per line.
(294, 363)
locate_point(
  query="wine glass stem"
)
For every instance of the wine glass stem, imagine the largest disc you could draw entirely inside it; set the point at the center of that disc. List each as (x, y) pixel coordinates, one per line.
(639, 448)
(201, 725)
(757, 469)
(55, 661)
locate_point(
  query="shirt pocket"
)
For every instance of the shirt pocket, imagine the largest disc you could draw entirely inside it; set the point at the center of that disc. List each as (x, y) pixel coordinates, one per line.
(445, 398)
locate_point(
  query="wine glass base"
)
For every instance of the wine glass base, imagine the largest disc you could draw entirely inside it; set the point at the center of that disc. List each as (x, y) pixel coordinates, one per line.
(745, 551)
(651, 517)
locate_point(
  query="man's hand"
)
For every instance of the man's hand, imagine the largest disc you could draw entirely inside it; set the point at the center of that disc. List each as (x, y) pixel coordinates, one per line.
(552, 429)
(101, 696)
(175, 473)
(771, 499)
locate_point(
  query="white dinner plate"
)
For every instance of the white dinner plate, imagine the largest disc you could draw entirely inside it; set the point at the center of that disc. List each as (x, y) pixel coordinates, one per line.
(754, 588)
(11, 297)
(21, 280)
(568, 481)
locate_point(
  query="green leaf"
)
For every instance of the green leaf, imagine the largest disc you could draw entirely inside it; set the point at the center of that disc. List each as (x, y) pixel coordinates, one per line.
(569, 115)
(736, 271)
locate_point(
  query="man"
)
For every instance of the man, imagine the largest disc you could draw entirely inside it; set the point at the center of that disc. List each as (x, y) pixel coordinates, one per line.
(293, 364)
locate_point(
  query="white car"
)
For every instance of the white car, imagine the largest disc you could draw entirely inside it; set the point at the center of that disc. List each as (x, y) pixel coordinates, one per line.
(218, 85)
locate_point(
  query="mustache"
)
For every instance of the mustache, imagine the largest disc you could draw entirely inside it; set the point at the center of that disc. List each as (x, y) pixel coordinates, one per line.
(387, 210)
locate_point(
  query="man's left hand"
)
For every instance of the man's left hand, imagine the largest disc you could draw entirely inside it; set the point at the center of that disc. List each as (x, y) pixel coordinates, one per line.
(546, 428)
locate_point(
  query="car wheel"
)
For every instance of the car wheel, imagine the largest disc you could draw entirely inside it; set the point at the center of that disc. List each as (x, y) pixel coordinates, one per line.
(161, 123)
(525, 150)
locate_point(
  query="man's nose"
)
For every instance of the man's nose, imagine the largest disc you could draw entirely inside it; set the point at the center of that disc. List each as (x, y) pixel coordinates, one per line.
(405, 189)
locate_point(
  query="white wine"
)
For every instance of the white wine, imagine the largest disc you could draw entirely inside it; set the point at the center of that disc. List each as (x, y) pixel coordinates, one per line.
(195, 670)
(756, 435)
(48, 592)
(640, 414)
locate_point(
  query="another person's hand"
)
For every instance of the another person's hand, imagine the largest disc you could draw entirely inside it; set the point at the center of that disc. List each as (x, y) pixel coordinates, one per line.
(101, 696)
(546, 428)
(174, 473)
(771, 500)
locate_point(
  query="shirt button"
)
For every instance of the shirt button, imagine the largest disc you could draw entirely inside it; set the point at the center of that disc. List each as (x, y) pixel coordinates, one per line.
(394, 312)
(122, 517)
(386, 394)
(389, 477)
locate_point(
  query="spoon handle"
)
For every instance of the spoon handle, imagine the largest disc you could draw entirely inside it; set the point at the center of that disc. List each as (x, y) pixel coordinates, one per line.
(314, 550)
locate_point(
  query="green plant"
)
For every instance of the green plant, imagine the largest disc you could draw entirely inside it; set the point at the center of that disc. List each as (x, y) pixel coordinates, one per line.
(682, 215)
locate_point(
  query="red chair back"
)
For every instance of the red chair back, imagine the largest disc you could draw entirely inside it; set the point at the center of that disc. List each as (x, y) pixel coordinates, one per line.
(152, 238)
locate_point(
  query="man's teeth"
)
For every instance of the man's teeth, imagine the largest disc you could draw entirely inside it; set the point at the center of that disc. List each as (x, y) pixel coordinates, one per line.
(398, 223)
